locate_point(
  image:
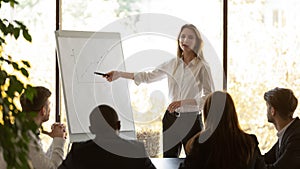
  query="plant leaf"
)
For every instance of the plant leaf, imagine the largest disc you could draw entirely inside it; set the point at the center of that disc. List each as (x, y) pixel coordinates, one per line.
(24, 72)
(3, 76)
(2, 41)
(16, 33)
(15, 86)
(26, 35)
(30, 92)
(10, 28)
(15, 65)
(26, 63)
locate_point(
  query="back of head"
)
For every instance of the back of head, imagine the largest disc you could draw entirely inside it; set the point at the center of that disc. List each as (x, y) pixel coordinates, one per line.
(220, 104)
(104, 121)
(40, 97)
(104, 117)
(231, 145)
(282, 100)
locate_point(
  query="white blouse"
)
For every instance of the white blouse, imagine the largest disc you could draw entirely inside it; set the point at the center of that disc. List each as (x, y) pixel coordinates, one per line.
(191, 81)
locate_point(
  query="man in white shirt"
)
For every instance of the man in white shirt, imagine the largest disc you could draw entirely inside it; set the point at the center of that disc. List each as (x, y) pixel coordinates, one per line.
(41, 105)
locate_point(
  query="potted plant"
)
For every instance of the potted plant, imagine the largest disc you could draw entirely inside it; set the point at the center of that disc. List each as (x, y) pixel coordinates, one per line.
(14, 124)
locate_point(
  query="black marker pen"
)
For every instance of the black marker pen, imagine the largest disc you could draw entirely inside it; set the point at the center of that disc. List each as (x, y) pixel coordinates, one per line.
(102, 74)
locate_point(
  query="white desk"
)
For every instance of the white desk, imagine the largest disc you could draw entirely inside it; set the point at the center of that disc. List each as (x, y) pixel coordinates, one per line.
(166, 163)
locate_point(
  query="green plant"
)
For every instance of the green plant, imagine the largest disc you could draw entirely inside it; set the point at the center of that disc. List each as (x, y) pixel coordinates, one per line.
(14, 124)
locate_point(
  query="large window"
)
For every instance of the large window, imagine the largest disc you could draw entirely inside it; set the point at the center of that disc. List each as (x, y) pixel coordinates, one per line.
(263, 53)
(263, 49)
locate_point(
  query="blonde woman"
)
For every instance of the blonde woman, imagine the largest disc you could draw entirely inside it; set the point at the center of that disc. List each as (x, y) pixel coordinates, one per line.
(189, 82)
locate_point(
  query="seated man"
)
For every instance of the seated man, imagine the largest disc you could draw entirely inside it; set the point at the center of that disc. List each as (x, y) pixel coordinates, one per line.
(107, 150)
(41, 105)
(281, 104)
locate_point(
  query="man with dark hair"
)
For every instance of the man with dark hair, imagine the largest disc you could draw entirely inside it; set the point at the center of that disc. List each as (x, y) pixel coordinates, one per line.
(281, 104)
(40, 105)
(107, 150)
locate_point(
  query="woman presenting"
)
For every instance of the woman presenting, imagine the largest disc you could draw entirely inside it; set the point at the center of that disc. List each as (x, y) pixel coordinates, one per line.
(189, 82)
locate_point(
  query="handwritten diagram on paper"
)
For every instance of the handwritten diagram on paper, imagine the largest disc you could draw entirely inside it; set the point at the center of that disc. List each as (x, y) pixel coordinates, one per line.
(98, 60)
(80, 55)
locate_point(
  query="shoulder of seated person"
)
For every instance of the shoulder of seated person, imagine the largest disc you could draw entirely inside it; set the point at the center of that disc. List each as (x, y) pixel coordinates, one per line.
(82, 144)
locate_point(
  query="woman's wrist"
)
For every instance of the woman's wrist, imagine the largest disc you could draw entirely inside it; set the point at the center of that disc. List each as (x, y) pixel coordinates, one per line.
(126, 75)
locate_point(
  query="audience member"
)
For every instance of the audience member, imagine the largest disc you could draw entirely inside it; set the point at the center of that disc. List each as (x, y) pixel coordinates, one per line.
(107, 150)
(41, 106)
(281, 104)
(222, 144)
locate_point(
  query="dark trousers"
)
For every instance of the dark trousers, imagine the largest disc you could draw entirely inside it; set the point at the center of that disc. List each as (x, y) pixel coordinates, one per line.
(178, 130)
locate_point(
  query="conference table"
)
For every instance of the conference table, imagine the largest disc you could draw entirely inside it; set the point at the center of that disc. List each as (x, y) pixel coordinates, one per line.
(166, 163)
